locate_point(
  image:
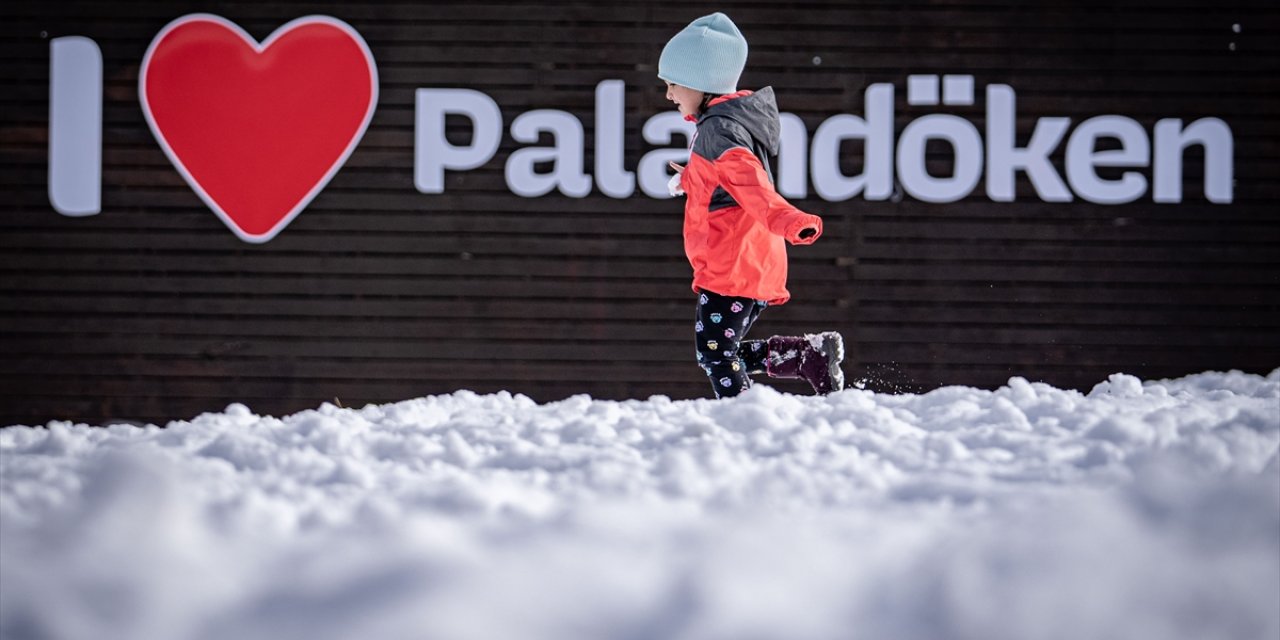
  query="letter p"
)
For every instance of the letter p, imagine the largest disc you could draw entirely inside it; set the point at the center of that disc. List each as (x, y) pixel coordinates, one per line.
(433, 153)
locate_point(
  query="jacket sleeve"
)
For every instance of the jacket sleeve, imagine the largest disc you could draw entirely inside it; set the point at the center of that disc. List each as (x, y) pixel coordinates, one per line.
(742, 175)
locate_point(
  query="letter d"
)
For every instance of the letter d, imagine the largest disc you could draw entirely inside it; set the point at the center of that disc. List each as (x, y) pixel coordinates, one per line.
(432, 151)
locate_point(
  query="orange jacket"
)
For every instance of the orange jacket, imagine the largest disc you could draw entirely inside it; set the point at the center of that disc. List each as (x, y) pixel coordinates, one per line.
(736, 225)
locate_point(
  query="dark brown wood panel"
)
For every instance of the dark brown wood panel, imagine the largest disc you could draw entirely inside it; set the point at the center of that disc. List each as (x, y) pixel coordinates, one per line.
(153, 310)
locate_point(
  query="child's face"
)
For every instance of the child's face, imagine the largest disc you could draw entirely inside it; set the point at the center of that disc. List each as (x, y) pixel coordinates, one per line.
(687, 100)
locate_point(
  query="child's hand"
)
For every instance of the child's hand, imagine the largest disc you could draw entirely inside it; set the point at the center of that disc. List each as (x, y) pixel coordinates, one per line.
(673, 186)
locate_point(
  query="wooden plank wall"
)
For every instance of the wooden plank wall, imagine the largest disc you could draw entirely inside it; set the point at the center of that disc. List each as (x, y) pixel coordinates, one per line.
(153, 310)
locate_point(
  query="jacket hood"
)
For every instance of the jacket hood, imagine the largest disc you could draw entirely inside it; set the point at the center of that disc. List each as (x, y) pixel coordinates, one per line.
(757, 113)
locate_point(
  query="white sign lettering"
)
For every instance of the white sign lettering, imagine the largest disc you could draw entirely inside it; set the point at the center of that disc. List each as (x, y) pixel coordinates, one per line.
(886, 159)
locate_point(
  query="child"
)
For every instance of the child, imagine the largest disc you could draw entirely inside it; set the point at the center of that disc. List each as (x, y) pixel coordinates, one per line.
(735, 223)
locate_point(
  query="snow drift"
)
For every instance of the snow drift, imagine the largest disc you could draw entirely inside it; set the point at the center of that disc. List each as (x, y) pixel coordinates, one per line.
(1136, 511)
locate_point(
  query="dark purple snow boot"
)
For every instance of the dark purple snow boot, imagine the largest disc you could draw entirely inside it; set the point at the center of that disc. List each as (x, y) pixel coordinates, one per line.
(814, 357)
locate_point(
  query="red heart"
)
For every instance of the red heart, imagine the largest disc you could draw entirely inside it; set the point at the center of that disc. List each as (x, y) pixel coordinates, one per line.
(258, 130)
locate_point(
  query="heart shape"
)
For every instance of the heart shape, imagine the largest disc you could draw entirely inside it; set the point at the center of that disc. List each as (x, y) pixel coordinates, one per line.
(258, 130)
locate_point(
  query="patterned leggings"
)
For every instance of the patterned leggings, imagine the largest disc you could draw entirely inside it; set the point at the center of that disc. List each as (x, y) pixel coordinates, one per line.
(722, 323)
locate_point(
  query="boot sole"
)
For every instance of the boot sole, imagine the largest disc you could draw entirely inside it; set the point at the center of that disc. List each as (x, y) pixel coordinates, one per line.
(833, 349)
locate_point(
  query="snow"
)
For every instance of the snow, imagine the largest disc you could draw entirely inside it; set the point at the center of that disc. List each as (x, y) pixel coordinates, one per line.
(1141, 510)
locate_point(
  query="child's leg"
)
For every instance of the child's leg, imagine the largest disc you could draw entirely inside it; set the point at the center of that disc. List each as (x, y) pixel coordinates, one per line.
(720, 324)
(755, 352)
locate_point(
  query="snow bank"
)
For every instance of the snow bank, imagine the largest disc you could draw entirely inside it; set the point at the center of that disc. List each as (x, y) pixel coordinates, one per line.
(1137, 511)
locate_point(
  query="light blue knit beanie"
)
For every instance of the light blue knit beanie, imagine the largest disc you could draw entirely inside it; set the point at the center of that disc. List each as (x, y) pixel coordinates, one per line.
(708, 56)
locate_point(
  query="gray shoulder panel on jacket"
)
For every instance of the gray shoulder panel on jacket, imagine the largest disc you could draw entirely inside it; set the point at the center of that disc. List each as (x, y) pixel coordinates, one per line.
(717, 135)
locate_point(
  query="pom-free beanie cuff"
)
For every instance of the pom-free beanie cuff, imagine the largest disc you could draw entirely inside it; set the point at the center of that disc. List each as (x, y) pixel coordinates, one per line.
(707, 56)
